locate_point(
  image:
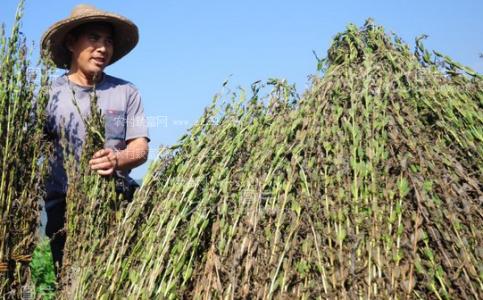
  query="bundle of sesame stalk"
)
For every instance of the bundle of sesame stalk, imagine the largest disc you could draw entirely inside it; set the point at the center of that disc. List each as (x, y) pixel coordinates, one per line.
(92, 204)
(22, 159)
(368, 186)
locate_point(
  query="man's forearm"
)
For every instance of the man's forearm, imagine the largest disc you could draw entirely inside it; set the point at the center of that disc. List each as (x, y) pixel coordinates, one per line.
(135, 154)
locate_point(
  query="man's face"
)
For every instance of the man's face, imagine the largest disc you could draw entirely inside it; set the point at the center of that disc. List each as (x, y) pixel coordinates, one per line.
(92, 50)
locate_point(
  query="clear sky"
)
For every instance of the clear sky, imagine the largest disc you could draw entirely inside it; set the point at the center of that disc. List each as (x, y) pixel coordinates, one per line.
(187, 49)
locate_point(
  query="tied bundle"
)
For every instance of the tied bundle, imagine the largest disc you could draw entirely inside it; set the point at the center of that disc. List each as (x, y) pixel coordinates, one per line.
(23, 152)
(93, 205)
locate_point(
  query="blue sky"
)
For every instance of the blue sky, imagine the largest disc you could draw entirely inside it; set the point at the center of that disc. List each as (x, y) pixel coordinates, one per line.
(187, 49)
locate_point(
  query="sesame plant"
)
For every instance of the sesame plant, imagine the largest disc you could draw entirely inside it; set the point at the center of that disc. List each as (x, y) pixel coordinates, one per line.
(93, 206)
(366, 186)
(23, 153)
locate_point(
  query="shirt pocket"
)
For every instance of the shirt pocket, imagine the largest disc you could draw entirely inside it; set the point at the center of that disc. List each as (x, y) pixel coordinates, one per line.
(115, 124)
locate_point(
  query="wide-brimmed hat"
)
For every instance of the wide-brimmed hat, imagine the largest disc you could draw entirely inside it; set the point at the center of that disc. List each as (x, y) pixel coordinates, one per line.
(125, 35)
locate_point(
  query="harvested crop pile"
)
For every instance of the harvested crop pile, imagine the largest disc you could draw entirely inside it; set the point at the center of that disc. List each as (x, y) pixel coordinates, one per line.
(92, 204)
(22, 160)
(368, 186)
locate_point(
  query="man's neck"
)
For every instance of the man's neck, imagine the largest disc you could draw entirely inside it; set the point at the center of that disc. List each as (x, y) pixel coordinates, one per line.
(83, 79)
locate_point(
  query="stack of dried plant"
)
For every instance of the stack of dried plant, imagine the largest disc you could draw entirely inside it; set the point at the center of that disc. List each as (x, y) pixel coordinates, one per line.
(368, 186)
(23, 151)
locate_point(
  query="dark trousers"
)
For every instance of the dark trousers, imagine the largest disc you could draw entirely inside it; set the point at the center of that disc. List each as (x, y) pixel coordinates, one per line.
(55, 231)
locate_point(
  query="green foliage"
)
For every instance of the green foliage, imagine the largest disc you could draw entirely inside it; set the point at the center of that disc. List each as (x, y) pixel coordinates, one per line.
(367, 186)
(42, 268)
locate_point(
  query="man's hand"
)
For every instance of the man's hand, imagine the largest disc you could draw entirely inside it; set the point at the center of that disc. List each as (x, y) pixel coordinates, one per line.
(105, 161)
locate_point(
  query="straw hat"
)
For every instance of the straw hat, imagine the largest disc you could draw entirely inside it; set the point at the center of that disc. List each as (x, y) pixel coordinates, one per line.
(125, 35)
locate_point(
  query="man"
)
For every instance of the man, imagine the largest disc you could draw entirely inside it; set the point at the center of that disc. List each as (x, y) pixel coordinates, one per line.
(85, 44)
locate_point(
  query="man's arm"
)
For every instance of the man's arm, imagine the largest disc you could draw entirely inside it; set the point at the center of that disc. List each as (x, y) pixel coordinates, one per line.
(106, 161)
